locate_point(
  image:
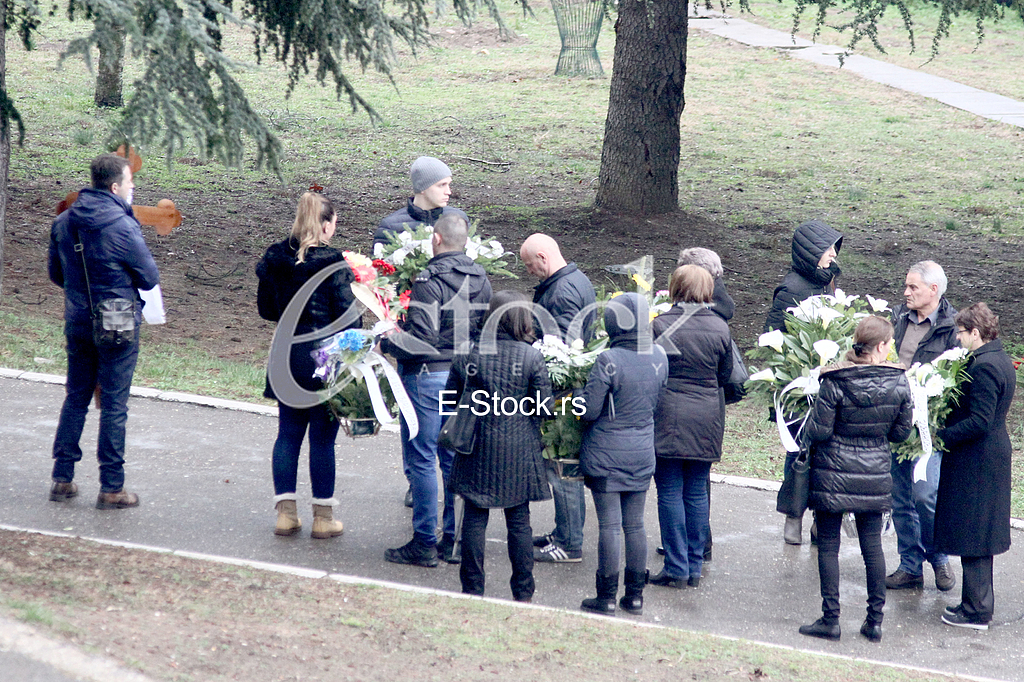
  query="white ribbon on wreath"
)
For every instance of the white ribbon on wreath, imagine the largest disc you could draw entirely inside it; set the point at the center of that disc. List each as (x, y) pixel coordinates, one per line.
(809, 386)
(920, 418)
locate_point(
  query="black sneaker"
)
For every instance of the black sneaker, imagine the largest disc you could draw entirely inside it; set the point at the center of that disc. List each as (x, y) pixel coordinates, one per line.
(543, 540)
(555, 554)
(953, 610)
(959, 620)
(901, 580)
(414, 552)
(446, 550)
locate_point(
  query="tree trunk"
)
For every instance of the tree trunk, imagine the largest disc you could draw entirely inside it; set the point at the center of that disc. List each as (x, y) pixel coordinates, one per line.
(5, 142)
(108, 74)
(640, 157)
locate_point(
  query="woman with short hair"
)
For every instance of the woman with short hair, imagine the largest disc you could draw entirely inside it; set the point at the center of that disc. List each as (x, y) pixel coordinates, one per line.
(690, 421)
(863, 405)
(505, 470)
(972, 512)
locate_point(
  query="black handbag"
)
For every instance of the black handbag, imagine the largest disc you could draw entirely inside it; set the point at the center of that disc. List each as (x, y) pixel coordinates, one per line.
(458, 434)
(796, 486)
(735, 389)
(113, 319)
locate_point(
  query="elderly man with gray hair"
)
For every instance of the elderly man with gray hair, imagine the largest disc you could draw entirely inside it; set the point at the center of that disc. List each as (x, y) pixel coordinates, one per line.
(924, 328)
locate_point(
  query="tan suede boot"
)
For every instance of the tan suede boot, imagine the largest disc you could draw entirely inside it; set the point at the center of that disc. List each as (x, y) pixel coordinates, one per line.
(324, 525)
(288, 522)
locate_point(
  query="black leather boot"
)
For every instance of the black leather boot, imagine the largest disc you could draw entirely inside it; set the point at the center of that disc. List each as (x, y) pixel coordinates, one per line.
(607, 586)
(633, 601)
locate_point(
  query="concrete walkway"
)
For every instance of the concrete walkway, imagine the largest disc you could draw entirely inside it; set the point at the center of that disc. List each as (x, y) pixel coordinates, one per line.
(985, 104)
(184, 458)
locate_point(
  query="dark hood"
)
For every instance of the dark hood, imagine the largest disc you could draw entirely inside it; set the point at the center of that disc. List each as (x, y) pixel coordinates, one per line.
(97, 209)
(627, 321)
(810, 241)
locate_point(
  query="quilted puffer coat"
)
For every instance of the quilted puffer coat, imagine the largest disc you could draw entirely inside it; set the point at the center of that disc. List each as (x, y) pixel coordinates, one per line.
(805, 279)
(505, 468)
(860, 409)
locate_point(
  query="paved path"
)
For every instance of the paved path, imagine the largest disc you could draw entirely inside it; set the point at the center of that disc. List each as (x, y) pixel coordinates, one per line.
(204, 477)
(986, 104)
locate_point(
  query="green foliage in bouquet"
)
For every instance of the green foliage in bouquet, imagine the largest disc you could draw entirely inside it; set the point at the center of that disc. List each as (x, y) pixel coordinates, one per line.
(353, 400)
(938, 385)
(568, 368)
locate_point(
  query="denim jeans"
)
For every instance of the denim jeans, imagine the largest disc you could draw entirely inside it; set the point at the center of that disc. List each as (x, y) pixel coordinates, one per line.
(291, 429)
(570, 510)
(682, 513)
(869, 532)
(620, 514)
(112, 370)
(421, 456)
(520, 549)
(913, 515)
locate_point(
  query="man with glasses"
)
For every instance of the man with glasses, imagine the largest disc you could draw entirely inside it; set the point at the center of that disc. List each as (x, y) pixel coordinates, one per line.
(924, 329)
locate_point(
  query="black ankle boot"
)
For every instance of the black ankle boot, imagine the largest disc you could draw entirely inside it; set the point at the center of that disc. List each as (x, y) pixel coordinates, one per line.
(633, 601)
(871, 631)
(607, 586)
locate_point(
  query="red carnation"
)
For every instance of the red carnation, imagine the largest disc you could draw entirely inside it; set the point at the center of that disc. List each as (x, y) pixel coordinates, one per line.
(403, 298)
(383, 267)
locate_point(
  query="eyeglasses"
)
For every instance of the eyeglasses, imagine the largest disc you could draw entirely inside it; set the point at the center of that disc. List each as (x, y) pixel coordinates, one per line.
(963, 331)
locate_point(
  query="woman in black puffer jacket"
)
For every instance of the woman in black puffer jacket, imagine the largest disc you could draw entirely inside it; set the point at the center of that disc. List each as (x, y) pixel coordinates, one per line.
(863, 405)
(505, 470)
(282, 271)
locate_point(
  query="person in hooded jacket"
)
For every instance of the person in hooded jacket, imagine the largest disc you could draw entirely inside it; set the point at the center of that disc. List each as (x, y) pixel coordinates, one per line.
(117, 264)
(505, 470)
(972, 513)
(814, 271)
(283, 270)
(689, 424)
(863, 405)
(617, 454)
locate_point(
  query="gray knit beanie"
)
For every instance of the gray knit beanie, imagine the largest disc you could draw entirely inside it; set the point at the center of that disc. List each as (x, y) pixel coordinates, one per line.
(427, 170)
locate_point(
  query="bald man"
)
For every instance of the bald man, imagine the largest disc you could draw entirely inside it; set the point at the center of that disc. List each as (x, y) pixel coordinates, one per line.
(566, 293)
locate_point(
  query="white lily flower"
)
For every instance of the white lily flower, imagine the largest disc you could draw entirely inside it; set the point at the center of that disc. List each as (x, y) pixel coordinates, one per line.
(763, 375)
(826, 315)
(879, 305)
(774, 338)
(826, 349)
(842, 299)
(953, 354)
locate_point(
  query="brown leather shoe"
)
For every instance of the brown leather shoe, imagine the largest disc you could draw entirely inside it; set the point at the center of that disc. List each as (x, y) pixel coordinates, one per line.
(61, 491)
(119, 500)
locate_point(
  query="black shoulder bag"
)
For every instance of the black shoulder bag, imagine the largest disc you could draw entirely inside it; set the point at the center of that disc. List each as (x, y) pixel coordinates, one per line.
(113, 319)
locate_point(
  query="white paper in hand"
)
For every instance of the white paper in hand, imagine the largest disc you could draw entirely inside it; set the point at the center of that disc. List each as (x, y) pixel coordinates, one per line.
(153, 310)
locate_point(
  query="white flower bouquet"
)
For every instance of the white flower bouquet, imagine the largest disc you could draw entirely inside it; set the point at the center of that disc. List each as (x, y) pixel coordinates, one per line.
(568, 367)
(935, 387)
(818, 331)
(409, 253)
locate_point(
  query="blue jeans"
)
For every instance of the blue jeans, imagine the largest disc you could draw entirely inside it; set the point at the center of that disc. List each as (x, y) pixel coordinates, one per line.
(112, 370)
(620, 514)
(291, 429)
(682, 513)
(913, 515)
(421, 456)
(570, 510)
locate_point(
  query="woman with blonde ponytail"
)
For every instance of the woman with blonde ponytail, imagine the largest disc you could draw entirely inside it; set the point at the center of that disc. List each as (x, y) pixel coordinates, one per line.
(282, 271)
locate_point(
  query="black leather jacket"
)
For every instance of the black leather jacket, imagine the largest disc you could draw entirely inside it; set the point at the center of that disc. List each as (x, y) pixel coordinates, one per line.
(860, 409)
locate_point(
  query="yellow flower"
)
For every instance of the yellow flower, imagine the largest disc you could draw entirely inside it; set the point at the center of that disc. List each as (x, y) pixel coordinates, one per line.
(641, 282)
(615, 293)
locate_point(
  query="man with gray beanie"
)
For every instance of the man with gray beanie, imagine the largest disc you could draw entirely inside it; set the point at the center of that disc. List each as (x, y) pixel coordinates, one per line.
(431, 186)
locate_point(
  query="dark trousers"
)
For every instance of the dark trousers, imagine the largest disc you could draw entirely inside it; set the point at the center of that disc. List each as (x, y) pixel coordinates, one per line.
(292, 424)
(620, 514)
(520, 549)
(111, 369)
(869, 532)
(977, 596)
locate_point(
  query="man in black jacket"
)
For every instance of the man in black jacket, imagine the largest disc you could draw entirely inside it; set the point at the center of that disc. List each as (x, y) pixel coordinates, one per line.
(447, 304)
(924, 329)
(97, 253)
(431, 186)
(567, 294)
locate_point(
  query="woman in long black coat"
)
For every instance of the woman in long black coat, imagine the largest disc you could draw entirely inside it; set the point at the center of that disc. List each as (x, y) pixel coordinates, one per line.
(505, 470)
(863, 405)
(972, 513)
